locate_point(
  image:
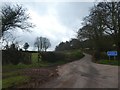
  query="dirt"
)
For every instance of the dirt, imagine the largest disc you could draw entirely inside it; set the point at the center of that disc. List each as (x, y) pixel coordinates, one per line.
(38, 76)
(82, 73)
(85, 74)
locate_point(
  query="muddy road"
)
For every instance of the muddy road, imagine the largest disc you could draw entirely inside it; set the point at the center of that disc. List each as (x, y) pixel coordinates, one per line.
(85, 74)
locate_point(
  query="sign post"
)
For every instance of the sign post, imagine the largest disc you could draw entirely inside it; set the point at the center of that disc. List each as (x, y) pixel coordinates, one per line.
(114, 57)
(112, 53)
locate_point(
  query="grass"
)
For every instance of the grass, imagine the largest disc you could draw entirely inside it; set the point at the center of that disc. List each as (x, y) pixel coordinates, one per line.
(110, 62)
(35, 64)
(12, 73)
(14, 81)
(10, 67)
(34, 57)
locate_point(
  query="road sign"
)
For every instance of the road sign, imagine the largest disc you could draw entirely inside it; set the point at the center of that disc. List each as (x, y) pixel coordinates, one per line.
(112, 53)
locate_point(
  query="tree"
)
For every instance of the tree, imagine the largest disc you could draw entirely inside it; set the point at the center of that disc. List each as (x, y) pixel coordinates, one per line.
(42, 44)
(26, 46)
(14, 16)
(112, 21)
(93, 27)
(38, 43)
(103, 20)
(60, 47)
(46, 44)
(75, 44)
(68, 45)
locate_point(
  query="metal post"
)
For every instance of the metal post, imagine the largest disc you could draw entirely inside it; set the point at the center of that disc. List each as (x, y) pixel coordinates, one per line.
(114, 58)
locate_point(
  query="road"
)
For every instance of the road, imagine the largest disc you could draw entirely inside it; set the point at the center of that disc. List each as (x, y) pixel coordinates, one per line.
(85, 74)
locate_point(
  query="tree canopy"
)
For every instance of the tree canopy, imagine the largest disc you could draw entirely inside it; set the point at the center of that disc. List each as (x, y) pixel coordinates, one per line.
(68, 45)
(26, 46)
(103, 21)
(42, 43)
(14, 16)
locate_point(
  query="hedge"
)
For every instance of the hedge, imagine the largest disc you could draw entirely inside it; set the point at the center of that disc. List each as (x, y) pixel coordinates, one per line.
(15, 57)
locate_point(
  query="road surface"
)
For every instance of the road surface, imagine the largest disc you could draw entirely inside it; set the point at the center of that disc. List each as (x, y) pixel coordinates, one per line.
(85, 74)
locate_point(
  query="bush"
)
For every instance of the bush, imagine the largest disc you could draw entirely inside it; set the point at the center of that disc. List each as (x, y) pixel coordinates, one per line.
(26, 58)
(100, 55)
(52, 56)
(11, 56)
(103, 55)
(73, 55)
(61, 56)
(15, 57)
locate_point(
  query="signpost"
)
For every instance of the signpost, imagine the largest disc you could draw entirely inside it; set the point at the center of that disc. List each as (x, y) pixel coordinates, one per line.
(112, 53)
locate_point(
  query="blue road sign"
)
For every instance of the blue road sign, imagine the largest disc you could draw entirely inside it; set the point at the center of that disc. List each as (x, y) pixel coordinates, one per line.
(112, 53)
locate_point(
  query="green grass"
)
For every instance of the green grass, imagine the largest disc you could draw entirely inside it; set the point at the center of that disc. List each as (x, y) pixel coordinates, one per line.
(35, 64)
(110, 62)
(12, 73)
(69, 54)
(34, 57)
(14, 81)
(10, 67)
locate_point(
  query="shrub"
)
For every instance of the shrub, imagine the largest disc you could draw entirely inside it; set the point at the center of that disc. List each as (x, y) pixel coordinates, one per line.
(103, 55)
(100, 55)
(65, 56)
(26, 58)
(74, 55)
(52, 56)
(11, 56)
(15, 57)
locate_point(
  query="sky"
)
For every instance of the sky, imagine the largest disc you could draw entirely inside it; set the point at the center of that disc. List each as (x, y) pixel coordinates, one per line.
(57, 21)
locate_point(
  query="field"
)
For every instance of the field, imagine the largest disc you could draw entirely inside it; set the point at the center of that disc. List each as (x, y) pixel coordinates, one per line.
(20, 74)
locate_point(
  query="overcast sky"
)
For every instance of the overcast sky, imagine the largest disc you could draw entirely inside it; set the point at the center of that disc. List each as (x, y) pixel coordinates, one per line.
(58, 21)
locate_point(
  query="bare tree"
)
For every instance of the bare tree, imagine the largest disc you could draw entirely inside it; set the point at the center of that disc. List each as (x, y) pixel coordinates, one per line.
(37, 43)
(42, 44)
(46, 44)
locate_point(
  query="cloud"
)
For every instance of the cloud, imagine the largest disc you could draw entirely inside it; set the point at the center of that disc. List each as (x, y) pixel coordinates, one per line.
(50, 27)
(56, 0)
(72, 13)
(56, 21)
(47, 25)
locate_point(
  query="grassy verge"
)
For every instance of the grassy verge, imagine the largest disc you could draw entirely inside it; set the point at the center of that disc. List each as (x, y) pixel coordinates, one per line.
(69, 55)
(110, 62)
(73, 55)
(14, 81)
(12, 73)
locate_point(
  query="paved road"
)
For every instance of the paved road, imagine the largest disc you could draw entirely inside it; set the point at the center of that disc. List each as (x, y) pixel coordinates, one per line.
(85, 74)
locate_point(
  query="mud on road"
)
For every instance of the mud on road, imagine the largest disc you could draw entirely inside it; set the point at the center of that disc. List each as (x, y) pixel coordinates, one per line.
(84, 74)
